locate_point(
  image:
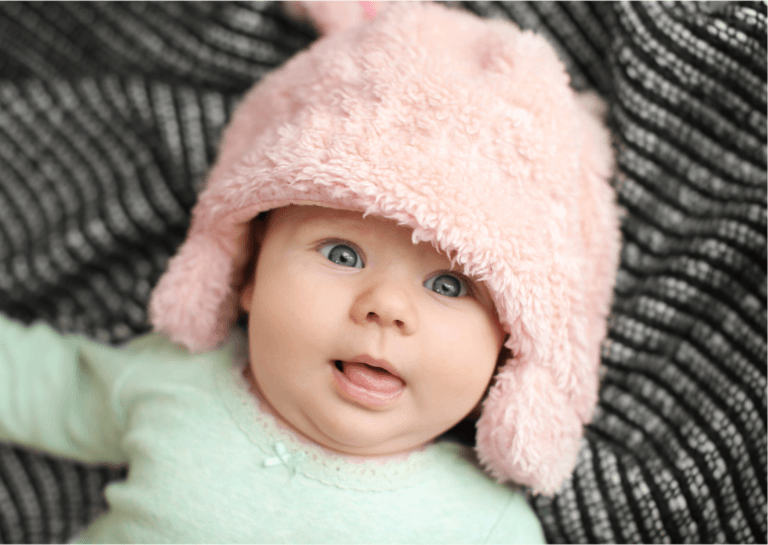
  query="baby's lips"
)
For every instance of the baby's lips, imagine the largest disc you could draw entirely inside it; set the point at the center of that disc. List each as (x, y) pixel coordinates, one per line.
(375, 379)
(366, 384)
(376, 363)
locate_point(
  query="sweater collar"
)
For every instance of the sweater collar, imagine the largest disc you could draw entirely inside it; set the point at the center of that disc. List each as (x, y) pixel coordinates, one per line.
(279, 445)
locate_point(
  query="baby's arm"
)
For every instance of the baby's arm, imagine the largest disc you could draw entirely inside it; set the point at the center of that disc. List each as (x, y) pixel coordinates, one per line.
(53, 395)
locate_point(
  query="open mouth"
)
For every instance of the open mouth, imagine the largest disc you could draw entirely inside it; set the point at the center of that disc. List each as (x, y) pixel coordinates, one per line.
(367, 383)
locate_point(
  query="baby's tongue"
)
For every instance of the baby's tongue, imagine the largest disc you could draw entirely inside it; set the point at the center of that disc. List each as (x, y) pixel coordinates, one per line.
(377, 380)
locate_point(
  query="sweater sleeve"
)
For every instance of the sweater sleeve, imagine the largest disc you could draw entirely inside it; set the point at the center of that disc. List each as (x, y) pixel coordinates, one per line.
(517, 524)
(57, 393)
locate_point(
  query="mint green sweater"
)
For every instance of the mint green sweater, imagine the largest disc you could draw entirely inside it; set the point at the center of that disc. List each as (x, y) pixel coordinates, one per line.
(207, 465)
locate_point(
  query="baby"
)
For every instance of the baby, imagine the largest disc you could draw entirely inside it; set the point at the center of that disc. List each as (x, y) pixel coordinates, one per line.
(414, 215)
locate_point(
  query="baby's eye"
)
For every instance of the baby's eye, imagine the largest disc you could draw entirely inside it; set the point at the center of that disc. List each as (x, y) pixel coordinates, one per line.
(447, 285)
(341, 254)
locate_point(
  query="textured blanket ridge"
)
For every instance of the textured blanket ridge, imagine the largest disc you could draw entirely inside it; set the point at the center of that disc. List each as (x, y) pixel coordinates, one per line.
(110, 114)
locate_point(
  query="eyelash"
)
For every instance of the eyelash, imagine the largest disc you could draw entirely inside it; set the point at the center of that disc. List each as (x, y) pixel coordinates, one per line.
(468, 283)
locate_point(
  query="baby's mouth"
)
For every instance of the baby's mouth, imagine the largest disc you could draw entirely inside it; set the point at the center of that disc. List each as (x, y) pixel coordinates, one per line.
(369, 379)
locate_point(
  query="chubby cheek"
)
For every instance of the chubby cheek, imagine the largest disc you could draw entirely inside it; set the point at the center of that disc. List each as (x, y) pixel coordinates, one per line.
(273, 323)
(289, 327)
(462, 362)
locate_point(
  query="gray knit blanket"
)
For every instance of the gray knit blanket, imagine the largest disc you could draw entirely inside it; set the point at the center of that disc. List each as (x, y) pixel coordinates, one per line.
(110, 115)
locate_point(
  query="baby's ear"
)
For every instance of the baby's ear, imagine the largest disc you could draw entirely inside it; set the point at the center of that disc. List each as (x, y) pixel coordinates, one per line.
(244, 267)
(246, 295)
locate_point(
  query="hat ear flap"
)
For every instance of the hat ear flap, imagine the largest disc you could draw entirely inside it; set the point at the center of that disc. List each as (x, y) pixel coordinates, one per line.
(194, 303)
(533, 417)
(529, 432)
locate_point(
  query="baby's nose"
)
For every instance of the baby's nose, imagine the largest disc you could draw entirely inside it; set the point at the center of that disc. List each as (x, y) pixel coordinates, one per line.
(388, 305)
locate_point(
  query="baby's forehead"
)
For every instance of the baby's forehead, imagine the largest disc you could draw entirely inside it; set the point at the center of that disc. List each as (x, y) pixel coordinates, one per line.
(300, 217)
(317, 214)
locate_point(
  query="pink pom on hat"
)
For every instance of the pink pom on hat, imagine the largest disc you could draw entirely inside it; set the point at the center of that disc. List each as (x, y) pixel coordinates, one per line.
(467, 131)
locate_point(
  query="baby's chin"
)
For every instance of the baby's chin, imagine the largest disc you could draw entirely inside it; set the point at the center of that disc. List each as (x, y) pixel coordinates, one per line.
(353, 438)
(340, 437)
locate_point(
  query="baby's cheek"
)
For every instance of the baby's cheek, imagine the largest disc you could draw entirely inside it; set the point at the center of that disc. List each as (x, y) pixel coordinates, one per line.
(467, 368)
(479, 355)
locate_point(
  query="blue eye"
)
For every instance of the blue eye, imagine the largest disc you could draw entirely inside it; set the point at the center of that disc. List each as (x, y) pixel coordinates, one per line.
(341, 254)
(447, 285)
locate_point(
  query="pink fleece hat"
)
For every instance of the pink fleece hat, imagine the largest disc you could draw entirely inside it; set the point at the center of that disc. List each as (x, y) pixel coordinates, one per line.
(465, 130)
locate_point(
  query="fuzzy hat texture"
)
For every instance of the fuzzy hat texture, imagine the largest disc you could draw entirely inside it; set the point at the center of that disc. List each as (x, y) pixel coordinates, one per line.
(467, 131)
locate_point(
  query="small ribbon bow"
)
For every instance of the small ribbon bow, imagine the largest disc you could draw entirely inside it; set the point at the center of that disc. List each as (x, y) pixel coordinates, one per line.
(284, 457)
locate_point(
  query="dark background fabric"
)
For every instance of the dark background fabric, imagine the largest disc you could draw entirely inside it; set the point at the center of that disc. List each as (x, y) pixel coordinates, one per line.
(110, 114)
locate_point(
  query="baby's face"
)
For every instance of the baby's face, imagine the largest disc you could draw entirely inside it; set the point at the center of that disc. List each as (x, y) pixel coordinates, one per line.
(360, 340)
